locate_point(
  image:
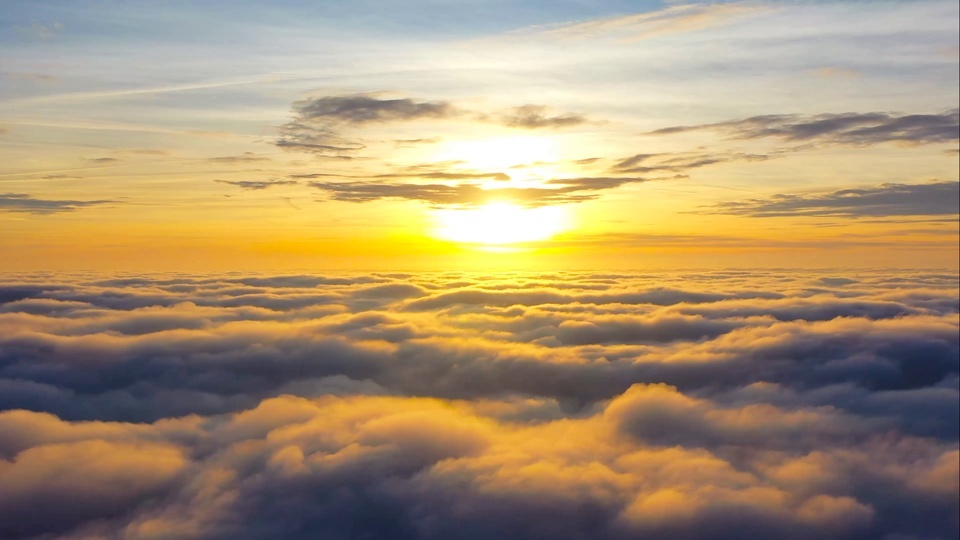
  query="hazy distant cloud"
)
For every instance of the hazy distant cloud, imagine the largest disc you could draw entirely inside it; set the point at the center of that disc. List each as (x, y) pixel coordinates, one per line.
(537, 116)
(22, 202)
(414, 142)
(320, 140)
(246, 157)
(258, 184)
(104, 160)
(596, 183)
(448, 175)
(587, 161)
(30, 76)
(848, 128)
(837, 72)
(145, 152)
(427, 171)
(933, 199)
(41, 31)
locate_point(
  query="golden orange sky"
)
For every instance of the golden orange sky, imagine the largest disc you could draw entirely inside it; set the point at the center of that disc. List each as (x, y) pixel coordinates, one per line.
(629, 139)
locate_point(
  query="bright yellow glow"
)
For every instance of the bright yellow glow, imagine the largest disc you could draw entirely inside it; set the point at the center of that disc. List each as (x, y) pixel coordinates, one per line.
(500, 153)
(500, 223)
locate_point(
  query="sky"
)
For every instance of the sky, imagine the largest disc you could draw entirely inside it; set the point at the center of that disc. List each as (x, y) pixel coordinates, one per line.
(425, 135)
(424, 270)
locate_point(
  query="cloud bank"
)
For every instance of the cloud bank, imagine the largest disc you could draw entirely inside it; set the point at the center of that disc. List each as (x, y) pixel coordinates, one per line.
(427, 406)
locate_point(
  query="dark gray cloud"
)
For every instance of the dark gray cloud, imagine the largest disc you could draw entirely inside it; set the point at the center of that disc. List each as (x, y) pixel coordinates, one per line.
(536, 406)
(847, 128)
(22, 202)
(445, 195)
(258, 184)
(538, 116)
(317, 122)
(932, 199)
(568, 190)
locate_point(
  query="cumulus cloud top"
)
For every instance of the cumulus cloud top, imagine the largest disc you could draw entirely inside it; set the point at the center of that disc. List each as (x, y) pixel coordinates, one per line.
(428, 406)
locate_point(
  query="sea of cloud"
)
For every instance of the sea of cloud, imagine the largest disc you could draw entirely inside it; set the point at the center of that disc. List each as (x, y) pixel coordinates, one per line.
(685, 405)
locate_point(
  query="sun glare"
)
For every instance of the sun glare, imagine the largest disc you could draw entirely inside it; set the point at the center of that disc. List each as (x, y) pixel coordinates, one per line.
(502, 152)
(500, 223)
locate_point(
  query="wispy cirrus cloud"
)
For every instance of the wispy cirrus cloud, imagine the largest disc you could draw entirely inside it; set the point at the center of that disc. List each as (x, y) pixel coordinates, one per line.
(681, 161)
(427, 171)
(859, 129)
(672, 20)
(246, 157)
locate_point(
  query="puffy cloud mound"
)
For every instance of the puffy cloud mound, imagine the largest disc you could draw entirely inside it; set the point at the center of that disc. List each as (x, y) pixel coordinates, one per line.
(569, 405)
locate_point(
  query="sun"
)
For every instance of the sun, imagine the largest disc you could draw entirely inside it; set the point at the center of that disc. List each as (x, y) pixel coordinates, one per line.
(500, 223)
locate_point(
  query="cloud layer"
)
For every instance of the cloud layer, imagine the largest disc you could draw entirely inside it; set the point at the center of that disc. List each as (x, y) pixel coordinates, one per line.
(564, 405)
